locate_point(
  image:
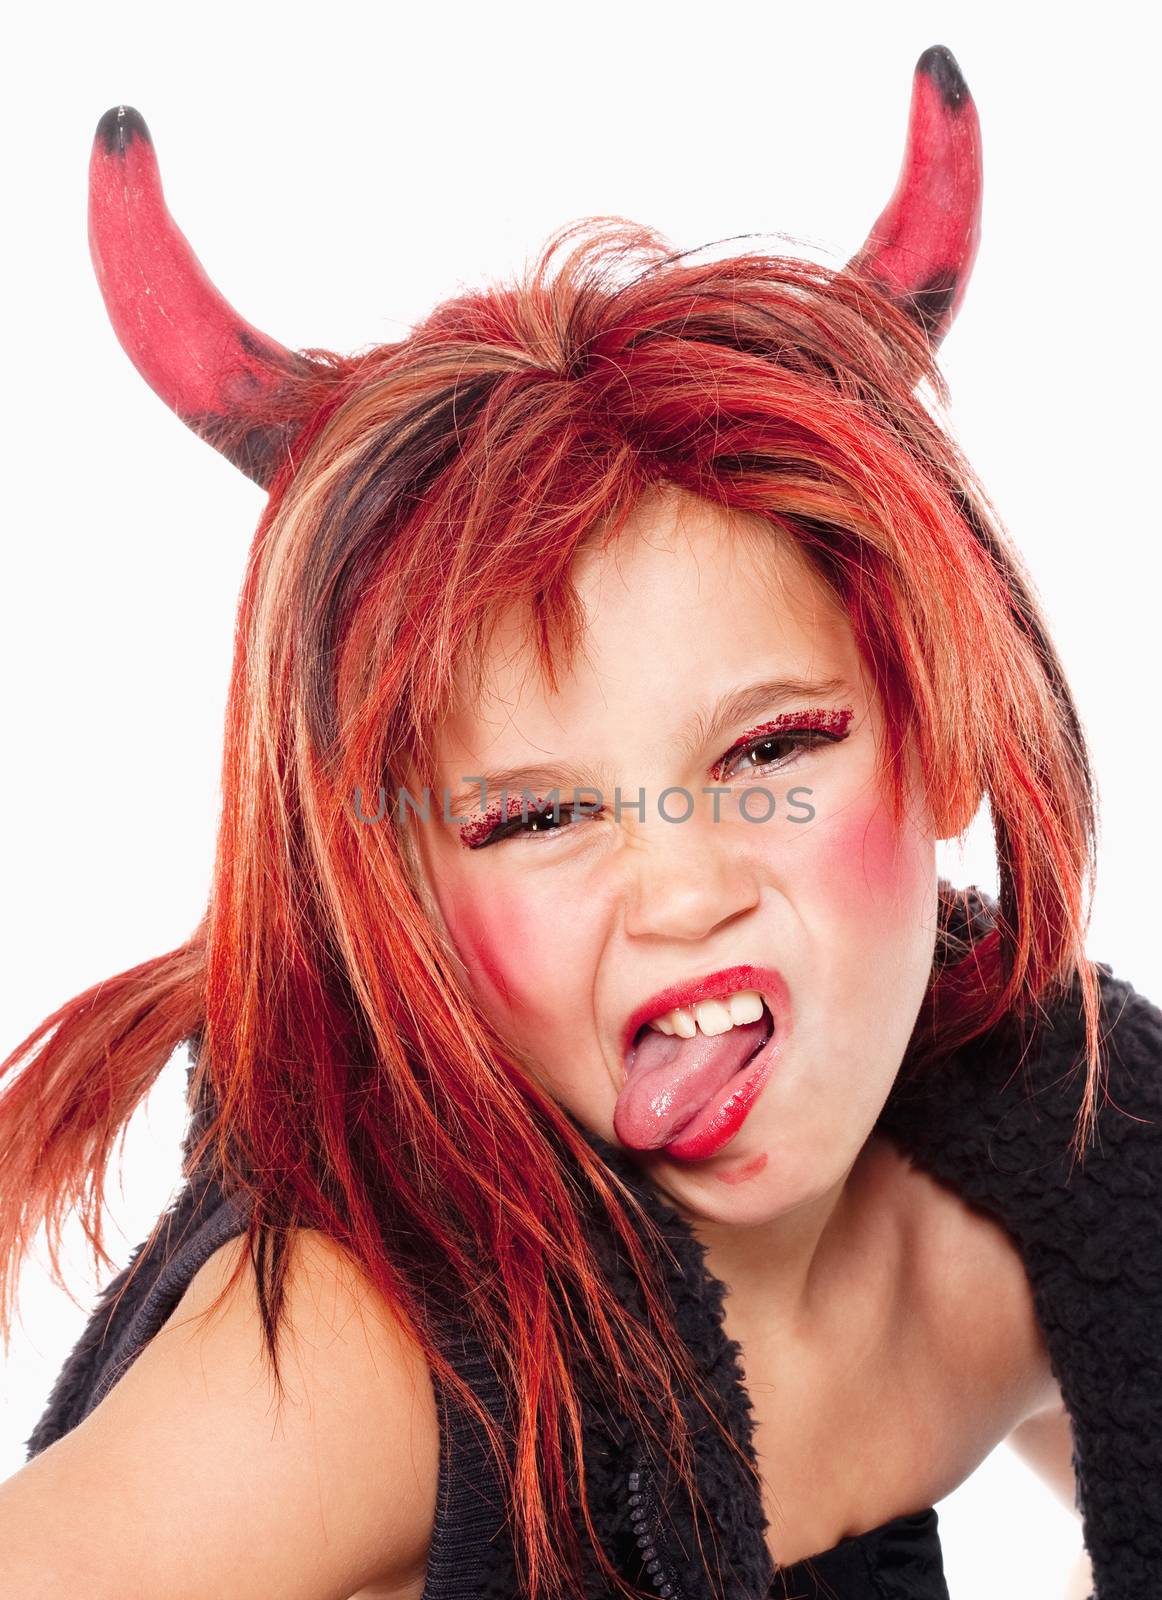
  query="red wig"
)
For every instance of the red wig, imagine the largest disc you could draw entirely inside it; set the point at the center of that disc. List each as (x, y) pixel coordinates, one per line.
(416, 492)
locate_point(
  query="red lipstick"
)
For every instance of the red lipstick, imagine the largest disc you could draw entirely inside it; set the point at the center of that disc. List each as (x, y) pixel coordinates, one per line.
(714, 1128)
(714, 986)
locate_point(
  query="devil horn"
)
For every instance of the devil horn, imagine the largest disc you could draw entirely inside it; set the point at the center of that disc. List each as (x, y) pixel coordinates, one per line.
(921, 250)
(216, 371)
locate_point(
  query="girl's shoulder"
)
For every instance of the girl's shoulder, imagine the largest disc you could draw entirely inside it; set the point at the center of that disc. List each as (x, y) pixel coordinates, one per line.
(325, 1483)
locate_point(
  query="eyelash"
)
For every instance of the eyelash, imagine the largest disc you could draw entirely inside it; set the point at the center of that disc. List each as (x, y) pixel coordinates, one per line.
(828, 727)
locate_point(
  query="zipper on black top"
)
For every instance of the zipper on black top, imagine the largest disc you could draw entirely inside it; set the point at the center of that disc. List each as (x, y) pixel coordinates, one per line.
(645, 1519)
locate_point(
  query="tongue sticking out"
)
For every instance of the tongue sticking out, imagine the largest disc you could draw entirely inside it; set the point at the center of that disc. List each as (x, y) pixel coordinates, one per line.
(671, 1079)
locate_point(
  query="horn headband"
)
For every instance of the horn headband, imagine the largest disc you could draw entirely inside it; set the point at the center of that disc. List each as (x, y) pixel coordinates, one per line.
(223, 377)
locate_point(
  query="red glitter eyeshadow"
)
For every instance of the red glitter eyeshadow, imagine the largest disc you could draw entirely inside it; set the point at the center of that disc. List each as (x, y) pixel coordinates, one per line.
(474, 833)
(833, 724)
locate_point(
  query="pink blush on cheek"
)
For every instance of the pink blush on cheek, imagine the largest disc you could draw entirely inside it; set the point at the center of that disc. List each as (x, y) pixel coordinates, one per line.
(865, 858)
(481, 940)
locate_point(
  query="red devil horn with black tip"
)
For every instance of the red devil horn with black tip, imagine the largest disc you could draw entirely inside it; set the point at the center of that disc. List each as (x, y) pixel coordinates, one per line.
(218, 373)
(921, 250)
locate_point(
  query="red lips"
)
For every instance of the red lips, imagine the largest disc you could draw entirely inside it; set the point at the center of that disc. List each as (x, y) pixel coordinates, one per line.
(769, 983)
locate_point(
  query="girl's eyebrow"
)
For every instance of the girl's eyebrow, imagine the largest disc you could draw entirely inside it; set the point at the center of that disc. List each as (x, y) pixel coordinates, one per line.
(537, 779)
(741, 704)
(706, 725)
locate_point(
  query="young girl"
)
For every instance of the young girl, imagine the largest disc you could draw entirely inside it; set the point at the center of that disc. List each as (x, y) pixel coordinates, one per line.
(618, 1163)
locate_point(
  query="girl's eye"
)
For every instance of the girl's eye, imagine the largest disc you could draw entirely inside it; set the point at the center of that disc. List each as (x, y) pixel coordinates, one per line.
(532, 825)
(547, 821)
(763, 753)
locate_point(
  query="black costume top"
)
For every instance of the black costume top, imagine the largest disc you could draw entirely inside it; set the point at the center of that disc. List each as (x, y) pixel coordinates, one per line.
(1091, 1242)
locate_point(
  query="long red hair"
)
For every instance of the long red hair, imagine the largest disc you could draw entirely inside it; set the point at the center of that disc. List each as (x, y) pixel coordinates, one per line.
(351, 1084)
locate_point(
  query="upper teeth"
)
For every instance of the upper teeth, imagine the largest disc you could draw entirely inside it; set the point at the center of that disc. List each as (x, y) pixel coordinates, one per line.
(710, 1016)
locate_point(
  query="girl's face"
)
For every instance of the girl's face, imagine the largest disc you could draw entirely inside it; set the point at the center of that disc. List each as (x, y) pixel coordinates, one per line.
(572, 934)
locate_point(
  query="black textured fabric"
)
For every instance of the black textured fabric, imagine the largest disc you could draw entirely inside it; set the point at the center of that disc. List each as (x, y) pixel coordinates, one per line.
(899, 1561)
(1001, 1137)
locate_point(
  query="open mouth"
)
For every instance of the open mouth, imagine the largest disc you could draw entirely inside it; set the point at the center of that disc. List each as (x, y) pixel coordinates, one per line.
(712, 1126)
(766, 1025)
(762, 1031)
(675, 1082)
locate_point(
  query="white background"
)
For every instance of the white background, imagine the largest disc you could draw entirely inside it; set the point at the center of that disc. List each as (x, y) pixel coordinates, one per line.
(339, 169)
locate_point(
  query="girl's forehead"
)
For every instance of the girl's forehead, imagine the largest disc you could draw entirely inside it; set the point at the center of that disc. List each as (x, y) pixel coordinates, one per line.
(687, 591)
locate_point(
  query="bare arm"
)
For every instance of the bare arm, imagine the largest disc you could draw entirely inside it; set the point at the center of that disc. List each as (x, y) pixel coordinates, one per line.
(186, 1483)
(1045, 1442)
